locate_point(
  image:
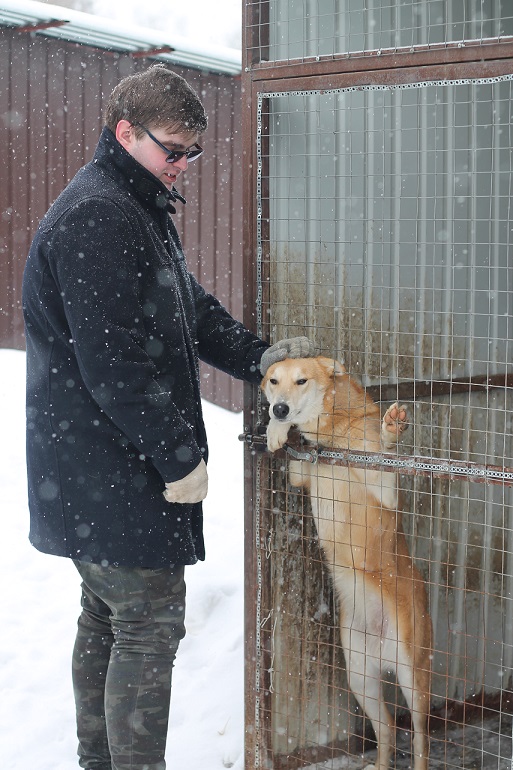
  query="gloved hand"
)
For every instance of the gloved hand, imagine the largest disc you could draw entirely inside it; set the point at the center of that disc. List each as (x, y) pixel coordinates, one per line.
(191, 489)
(295, 347)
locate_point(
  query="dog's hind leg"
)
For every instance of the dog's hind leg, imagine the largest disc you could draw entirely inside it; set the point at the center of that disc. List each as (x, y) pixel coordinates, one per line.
(364, 677)
(415, 688)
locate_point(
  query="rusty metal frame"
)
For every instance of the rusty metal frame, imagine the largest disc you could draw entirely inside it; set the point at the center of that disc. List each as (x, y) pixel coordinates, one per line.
(414, 73)
(420, 388)
(152, 51)
(472, 60)
(40, 25)
(386, 59)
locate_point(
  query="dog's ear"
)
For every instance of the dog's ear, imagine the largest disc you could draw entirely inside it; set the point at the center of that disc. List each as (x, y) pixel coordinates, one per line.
(335, 368)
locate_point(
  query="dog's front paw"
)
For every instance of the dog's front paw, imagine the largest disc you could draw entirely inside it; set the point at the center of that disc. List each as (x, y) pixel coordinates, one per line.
(277, 433)
(395, 422)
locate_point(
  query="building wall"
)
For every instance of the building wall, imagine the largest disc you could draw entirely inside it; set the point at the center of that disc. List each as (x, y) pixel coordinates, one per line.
(380, 136)
(52, 96)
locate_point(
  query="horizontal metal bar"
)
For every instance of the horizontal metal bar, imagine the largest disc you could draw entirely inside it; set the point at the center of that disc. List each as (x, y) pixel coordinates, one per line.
(145, 52)
(39, 25)
(411, 76)
(407, 465)
(415, 389)
(447, 54)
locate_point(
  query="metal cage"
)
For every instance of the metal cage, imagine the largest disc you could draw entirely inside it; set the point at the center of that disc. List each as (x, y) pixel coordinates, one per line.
(379, 210)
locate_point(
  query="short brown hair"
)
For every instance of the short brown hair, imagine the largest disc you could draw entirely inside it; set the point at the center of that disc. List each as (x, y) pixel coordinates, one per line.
(156, 97)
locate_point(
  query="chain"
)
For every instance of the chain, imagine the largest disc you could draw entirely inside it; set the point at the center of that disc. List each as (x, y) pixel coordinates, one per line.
(414, 466)
(388, 87)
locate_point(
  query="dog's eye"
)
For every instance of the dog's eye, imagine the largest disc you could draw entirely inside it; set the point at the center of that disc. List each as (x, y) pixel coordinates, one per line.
(303, 381)
(273, 381)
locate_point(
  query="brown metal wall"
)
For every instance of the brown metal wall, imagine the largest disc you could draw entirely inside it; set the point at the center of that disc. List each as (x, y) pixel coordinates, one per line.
(51, 100)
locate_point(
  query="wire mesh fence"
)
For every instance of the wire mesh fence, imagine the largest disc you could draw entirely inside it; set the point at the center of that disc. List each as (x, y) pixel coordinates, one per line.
(384, 234)
(286, 30)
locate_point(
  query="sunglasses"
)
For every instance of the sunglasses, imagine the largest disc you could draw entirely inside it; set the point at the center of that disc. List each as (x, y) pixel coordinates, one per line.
(174, 155)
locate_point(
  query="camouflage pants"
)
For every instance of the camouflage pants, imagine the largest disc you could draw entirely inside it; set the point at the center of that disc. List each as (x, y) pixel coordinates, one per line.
(131, 623)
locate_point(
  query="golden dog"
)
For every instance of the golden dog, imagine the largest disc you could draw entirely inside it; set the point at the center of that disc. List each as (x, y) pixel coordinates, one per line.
(384, 620)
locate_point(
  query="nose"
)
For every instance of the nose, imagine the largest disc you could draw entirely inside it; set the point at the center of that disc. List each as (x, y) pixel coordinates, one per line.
(182, 163)
(280, 411)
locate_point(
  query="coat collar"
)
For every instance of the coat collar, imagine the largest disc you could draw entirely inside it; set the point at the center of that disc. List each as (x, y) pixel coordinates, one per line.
(110, 154)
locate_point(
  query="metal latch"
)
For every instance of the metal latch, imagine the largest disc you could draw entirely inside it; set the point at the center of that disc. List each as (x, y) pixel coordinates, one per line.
(309, 455)
(258, 442)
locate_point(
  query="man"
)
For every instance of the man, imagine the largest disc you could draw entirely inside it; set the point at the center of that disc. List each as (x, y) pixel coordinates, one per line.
(116, 445)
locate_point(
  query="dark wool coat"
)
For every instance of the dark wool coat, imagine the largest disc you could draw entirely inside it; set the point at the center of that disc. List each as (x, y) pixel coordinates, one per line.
(115, 324)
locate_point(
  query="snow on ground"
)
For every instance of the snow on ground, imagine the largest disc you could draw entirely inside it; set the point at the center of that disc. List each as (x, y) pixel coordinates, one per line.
(40, 603)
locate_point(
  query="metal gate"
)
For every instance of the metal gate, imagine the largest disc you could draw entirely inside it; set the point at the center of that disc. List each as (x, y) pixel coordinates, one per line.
(379, 211)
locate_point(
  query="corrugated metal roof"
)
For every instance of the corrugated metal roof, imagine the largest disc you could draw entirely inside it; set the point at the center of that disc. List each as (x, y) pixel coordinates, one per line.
(112, 35)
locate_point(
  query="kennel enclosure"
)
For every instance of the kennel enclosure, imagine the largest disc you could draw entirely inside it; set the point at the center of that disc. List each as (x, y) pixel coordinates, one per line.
(378, 223)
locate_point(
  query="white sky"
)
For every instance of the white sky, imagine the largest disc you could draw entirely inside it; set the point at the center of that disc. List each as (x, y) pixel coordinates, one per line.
(216, 22)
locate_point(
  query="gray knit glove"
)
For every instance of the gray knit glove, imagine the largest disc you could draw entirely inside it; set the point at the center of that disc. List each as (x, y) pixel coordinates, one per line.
(295, 347)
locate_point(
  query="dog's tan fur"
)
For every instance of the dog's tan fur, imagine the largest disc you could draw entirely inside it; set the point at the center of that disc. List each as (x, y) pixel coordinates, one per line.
(384, 620)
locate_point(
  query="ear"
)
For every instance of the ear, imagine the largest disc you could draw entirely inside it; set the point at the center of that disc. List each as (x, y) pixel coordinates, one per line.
(265, 380)
(335, 368)
(125, 134)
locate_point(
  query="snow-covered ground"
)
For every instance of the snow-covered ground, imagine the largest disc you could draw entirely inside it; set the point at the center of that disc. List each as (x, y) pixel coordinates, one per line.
(40, 603)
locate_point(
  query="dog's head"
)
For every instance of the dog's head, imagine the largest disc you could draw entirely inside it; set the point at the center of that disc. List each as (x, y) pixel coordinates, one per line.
(296, 388)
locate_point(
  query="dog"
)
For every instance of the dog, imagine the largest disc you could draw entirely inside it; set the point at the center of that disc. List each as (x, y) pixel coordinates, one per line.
(384, 620)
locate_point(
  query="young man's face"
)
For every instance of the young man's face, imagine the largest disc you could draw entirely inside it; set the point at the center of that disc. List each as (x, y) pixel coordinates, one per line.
(145, 150)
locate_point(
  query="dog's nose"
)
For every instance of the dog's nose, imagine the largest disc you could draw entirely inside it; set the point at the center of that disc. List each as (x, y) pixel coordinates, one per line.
(280, 411)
